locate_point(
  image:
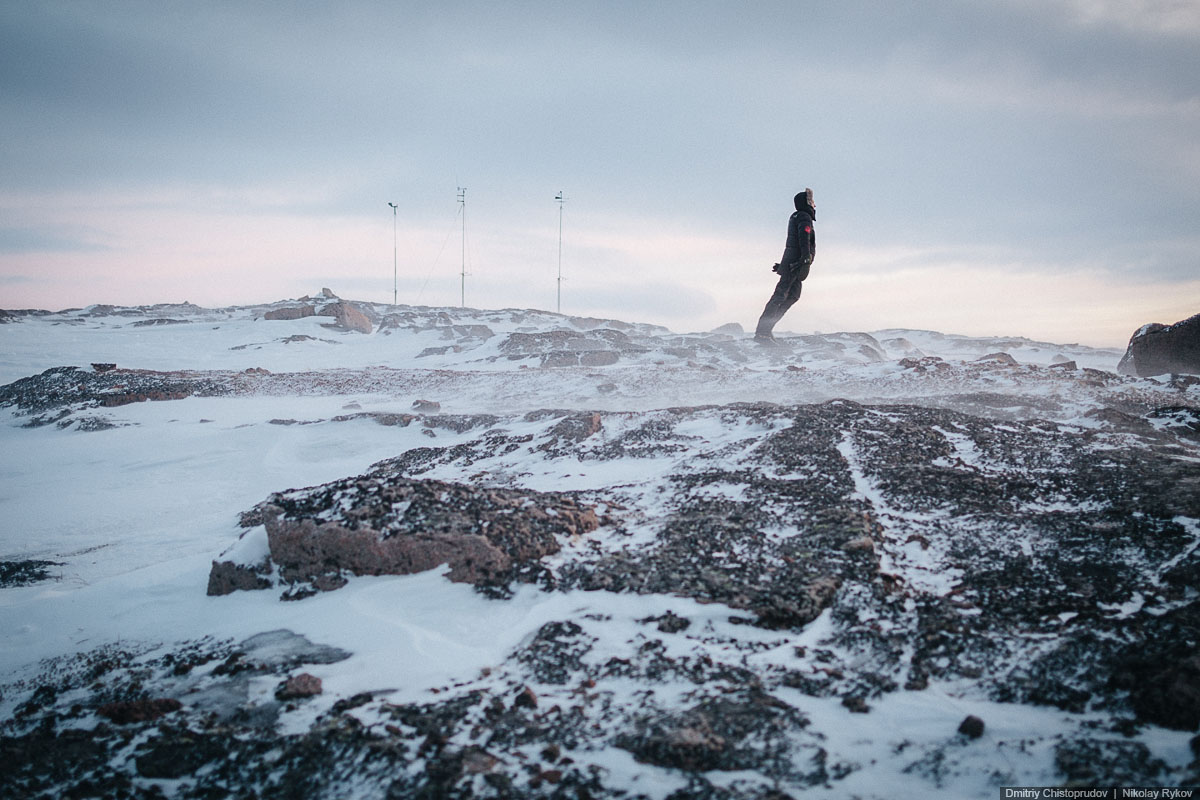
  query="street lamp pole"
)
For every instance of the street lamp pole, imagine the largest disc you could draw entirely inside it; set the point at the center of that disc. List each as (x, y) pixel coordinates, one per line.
(394, 257)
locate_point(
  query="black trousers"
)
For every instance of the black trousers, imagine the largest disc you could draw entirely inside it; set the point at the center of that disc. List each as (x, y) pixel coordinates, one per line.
(787, 292)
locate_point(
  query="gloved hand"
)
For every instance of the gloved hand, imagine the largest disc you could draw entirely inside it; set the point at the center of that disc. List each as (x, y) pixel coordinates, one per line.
(777, 269)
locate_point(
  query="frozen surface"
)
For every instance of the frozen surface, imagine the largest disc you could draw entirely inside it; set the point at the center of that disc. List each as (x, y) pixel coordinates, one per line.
(132, 516)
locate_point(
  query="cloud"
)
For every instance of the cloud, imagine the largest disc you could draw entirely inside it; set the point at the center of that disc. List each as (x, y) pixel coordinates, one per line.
(45, 240)
(14, 280)
(1170, 17)
(219, 151)
(1018, 82)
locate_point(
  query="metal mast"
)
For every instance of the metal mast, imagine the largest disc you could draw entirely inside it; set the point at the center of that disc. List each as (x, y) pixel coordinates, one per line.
(462, 201)
(393, 205)
(559, 197)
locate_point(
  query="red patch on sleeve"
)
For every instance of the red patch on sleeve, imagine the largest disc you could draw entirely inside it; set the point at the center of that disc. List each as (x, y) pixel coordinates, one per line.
(808, 228)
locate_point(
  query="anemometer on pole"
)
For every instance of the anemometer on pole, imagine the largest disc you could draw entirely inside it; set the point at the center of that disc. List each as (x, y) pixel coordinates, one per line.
(559, 197)
(394, 261)
(462, 201)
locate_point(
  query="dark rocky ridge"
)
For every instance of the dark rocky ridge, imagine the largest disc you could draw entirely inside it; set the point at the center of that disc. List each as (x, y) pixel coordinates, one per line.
(1044, 563)
(86, 398)
(64, 388)
(1158, 349)
(25, 571)
(1049, 530)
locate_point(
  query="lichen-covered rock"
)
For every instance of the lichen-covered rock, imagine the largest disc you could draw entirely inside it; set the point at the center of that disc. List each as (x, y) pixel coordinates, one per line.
(723, 733)
(390, 525)
(966, 533)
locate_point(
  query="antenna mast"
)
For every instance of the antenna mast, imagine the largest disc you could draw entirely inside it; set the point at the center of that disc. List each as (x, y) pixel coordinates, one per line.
(393, 205)
(462, 201)
(559, 197)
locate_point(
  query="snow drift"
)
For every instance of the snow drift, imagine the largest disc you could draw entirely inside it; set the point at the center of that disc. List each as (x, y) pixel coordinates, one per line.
(638, 563)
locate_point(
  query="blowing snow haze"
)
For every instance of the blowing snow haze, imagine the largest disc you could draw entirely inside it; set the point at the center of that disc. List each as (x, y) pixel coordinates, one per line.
(990, 169)
(324, 548)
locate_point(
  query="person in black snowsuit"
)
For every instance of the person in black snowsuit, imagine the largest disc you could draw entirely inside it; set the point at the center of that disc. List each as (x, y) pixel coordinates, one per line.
(793, 267)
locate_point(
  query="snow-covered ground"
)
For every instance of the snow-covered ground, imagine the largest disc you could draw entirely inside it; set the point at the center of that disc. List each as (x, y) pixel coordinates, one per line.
(134, 515)
(239, 338)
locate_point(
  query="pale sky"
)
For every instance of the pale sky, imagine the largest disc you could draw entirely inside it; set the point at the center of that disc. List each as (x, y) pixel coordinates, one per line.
(1011, 167)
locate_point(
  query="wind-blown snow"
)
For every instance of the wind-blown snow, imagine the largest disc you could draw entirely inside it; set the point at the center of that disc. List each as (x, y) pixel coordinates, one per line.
(134, 515)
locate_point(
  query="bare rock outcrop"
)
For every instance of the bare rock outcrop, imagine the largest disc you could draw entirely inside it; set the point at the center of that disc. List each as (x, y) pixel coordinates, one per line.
(348, 317)
(133, 711)
(1157, 349)
(290, 312)
(298, 687)
(1001, 358)
(390, 525)
(64, 389)
(226, 577)
(566, 348)
(728, 733)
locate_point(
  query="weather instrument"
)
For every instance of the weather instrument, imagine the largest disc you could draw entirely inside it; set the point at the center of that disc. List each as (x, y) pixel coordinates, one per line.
(462, 202)
(394, 261)
(561, 199)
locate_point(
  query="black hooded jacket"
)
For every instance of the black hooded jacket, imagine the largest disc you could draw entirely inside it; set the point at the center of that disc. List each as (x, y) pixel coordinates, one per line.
(801, 246)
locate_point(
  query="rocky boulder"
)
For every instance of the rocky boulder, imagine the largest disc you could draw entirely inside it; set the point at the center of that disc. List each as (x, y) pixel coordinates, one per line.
(725, 733)
(348, 317)
(290, 312)
(1004, 359)
(298, 687)
(1157, 349)
(391, 525)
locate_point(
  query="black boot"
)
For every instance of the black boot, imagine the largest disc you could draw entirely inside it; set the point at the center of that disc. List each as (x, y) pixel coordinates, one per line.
(766, 323)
